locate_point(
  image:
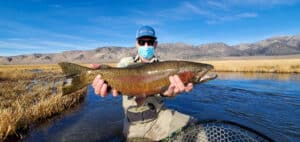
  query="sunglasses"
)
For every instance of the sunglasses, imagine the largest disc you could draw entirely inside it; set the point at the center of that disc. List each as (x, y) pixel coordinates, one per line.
(143, 42)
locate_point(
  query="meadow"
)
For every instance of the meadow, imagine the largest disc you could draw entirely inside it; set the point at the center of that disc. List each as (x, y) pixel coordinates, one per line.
(29, 94)
(264, 65)
(32, 93)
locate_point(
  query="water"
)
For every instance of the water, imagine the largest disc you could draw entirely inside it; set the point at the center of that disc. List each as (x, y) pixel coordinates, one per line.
(267, 103)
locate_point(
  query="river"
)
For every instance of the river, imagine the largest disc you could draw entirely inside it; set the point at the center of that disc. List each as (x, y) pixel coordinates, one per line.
(267, 103)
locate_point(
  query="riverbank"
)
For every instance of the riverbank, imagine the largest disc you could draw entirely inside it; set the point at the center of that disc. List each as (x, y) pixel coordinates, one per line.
(30, 94)
(255, 64)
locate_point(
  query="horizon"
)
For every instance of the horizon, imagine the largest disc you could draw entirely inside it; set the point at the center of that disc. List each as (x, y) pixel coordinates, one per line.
(53, 26)
(109, 46)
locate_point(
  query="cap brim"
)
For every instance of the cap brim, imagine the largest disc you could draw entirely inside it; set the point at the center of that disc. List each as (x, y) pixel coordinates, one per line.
(146, 36)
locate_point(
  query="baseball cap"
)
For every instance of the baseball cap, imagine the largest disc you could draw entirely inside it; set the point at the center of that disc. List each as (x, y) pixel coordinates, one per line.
(145, 31)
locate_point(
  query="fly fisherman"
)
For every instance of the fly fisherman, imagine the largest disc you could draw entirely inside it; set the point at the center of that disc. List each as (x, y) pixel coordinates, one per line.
(148, 117)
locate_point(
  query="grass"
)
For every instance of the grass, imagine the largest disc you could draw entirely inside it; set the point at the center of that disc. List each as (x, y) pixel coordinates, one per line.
(24, 72)
(28, 95)
(256, 65)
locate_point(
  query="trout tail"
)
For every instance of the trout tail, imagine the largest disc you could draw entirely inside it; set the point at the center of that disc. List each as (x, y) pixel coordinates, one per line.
(76, 77)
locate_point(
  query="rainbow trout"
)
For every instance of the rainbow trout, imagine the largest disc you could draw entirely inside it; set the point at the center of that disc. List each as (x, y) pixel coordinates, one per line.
(139, 79)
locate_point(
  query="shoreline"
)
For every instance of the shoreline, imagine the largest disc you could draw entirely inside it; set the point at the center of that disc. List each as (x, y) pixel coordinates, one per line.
(269, 64)
(277, 65)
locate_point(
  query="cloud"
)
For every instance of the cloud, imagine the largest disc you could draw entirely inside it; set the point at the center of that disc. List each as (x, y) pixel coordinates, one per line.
(246, 15)
(24, 31)
(222, 14)
(212, 12)
(217, 4)
(197, 10)
(261, 2)
(37, 45)
(231, 18)
(25, 38)
(179, 12)
(42, 44)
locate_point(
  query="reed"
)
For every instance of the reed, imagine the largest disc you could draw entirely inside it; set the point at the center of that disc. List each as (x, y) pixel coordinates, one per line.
(256, 65)
(27, 96)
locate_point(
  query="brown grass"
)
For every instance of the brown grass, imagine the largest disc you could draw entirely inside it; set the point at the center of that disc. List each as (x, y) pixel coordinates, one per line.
(25, 72)
(27, 97)
(256, 65)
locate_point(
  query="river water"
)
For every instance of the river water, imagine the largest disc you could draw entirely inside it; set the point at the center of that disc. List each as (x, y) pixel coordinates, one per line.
(267, 103)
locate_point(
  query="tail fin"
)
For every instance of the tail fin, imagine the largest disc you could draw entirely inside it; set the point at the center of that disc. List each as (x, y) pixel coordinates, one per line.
(75, 77)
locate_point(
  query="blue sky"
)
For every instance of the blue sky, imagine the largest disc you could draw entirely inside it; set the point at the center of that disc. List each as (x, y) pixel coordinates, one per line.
(51, 26)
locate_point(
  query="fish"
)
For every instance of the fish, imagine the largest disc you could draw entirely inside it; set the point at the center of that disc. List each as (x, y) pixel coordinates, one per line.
(141, 79)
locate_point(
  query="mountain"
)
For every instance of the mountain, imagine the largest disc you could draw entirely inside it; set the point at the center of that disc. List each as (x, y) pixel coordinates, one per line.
(283, 45)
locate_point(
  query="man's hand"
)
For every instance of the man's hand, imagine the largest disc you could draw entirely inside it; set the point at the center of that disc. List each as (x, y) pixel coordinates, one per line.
(100, 86)
(177, 86)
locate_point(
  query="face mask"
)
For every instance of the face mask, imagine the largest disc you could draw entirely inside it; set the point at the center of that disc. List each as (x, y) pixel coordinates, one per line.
(146, 52)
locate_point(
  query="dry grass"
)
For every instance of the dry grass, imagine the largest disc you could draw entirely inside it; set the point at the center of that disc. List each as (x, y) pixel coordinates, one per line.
(28, 95)
(256, 65)
(25, 72)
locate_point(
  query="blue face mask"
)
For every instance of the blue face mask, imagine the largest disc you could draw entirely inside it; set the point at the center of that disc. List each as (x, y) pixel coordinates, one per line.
(146, 52)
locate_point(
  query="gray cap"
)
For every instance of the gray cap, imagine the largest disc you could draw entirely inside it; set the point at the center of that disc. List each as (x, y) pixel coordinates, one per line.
(145, 31)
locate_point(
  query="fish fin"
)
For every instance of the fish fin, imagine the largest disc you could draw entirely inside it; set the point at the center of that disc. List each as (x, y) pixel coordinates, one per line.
(74, 73)
(70, 69)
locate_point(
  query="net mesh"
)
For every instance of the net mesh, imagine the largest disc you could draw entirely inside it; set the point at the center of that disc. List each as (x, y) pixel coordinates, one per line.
(217, 132)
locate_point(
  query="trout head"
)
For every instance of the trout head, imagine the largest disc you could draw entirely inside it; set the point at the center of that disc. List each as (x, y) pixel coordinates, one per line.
(203, 73)
(196, 72)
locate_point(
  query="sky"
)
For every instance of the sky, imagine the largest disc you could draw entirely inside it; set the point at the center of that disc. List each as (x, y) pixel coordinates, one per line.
(53, 26)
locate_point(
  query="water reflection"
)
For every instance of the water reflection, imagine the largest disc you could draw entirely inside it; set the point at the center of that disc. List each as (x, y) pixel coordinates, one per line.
(267, 76)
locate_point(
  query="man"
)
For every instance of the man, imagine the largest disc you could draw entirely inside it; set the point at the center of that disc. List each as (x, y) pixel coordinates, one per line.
(147, 117)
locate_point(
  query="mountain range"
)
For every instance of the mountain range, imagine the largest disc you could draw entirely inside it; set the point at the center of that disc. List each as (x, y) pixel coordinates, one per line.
(281, 45)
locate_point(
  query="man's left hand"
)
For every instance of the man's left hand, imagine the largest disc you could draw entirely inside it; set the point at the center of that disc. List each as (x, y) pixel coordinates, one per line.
(177, 86)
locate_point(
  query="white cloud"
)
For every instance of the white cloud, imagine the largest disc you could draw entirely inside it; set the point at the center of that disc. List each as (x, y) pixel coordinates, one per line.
(247, 15)
(15, 46)
(41, 44)
(261, 2)
(197, 10)
(231, 18)
(217, 4)
(212, 12)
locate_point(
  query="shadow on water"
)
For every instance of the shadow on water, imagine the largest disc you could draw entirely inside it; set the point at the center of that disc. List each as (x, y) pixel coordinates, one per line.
(267, 103)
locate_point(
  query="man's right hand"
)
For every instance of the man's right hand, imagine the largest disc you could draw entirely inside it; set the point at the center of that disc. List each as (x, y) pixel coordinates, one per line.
(100, 86)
